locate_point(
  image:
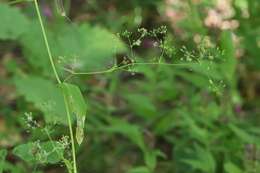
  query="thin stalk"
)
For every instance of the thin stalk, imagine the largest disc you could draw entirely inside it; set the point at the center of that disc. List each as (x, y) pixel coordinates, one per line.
(117, 68)
(113, 69)
(18, 1)
(59, 81)
(71, 134)
(46, 41)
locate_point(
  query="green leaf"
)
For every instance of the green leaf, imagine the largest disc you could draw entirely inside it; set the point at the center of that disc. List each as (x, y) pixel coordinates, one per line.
(242, 4)
(75, 46)
(77, 106)
(243, 135)
(131, 131)
(45, 95)
(141, 169)
(203, 160)
(3, 154)
(34, 49)
(229, 64)
(25, 152)
(232, 168)
(165, 124)
(205, 68)
(195, 79)
(142, 105)
(35, 152)
(150, 158)
(13, 22)
(195, 131)
(94, 47)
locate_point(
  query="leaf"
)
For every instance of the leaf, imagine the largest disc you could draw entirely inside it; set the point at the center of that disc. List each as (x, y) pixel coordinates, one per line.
(3, 154)
(195, 79)
(13, 22)
(75, 46)
(195, 131)
(45, 95)
(45, 152)
(25, 152)
(141, 169)
(205, 68)
(150, 158)
(134, 133)
(232, 168)
(203, 160)
(165, 124)
(243, 135)
(250, 41)
(77, 107)
(142, 105)
(229, 64)
(34, 49)
(131, 131)
(242, 4)
(93, 46)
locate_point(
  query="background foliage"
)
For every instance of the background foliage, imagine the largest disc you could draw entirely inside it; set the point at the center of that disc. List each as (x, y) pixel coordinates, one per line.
(201, 117)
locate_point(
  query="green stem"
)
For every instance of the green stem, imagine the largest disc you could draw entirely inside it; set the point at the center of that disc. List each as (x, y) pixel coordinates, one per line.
(18, 1)
(59, 81)
(113, 69)
(46, 41)
(71, 134)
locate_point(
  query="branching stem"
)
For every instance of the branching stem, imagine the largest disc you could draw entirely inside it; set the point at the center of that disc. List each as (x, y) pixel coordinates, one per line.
(117, 68)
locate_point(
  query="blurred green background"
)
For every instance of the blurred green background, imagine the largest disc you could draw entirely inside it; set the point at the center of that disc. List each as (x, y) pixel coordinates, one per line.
(202, 117)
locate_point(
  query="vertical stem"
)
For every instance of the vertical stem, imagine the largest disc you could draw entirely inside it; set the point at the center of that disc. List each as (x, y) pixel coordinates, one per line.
(71, 134)
(46, 41)
(59, 81)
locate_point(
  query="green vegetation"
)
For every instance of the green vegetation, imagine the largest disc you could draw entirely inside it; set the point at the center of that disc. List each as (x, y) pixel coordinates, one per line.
(147, 86)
